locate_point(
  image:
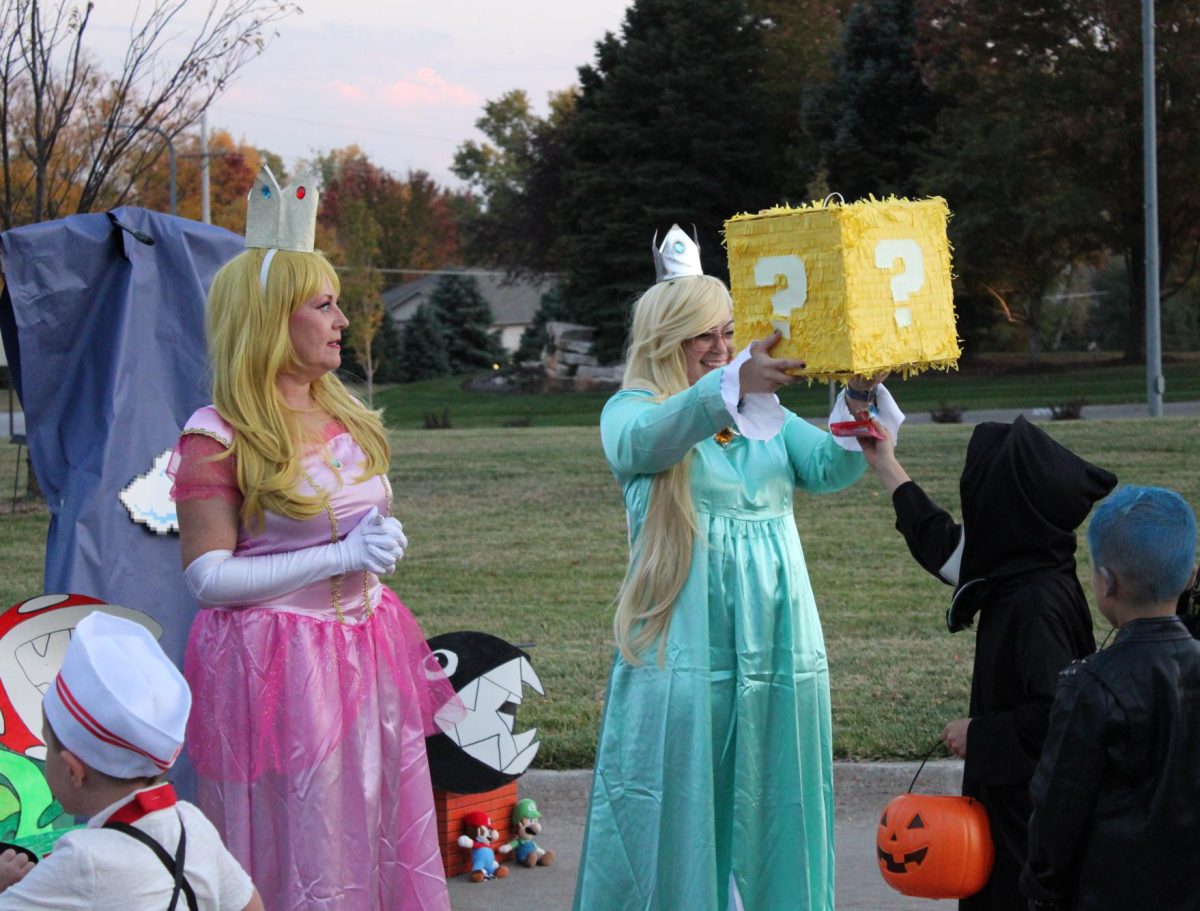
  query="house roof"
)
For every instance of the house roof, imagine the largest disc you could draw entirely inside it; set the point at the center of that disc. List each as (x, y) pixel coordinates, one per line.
(513, 301)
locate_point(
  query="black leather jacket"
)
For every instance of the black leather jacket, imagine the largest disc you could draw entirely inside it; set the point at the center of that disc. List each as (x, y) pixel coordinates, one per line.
(1116, 795)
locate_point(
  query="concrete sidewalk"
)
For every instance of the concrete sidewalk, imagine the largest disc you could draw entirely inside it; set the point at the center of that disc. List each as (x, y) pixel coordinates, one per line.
(862, 789)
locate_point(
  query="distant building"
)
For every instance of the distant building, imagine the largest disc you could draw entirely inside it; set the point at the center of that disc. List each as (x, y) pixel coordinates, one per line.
(513, 302)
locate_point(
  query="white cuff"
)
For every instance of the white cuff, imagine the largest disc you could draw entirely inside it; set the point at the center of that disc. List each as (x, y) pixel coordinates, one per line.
(757, 415)
(890, 416)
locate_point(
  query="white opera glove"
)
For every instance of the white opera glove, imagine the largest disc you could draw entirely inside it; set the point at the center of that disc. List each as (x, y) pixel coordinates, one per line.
(219, 578)
(375, 544)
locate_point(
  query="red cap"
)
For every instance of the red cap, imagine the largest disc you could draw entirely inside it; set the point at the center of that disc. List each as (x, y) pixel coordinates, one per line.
(477, 819)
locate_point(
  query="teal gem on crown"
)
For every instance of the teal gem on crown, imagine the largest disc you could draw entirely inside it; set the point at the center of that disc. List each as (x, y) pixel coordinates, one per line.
(678, 246)
(266, 192)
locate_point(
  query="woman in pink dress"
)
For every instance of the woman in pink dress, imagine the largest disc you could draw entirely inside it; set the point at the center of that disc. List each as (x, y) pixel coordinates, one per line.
(313, 686)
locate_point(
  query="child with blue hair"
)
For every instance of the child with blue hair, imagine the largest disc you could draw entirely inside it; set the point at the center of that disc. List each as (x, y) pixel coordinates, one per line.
(1116, 795)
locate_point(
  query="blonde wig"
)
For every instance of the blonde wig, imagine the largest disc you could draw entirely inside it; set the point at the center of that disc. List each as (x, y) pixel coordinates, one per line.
(664, 319)
(248, 347)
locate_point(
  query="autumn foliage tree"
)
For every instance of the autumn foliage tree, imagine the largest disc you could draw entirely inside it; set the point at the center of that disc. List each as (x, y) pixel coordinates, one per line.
(418, 228)
(233, 167)
(376, 227)
(358, 245)
(74, 137)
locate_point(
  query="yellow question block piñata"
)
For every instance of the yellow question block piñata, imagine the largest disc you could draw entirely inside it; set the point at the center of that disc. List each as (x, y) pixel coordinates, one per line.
(853, 288)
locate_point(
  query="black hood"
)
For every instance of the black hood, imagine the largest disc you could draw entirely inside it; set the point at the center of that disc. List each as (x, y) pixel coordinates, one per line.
(1023, 495)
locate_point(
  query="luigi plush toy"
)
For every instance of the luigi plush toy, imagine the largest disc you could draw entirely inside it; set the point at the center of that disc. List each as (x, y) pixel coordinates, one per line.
(526, 824)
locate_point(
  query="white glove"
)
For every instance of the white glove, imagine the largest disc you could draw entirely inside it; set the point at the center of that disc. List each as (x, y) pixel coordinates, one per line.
(375, 544)
(219, 578)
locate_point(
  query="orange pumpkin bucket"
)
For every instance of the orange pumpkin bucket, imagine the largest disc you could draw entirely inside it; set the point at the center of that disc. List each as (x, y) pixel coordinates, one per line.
(934, 847)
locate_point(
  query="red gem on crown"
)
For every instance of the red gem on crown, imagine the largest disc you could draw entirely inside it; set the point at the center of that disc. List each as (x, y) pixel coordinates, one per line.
(300, 192)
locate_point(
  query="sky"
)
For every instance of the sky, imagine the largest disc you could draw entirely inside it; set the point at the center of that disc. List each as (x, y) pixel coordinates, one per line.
(405, 81)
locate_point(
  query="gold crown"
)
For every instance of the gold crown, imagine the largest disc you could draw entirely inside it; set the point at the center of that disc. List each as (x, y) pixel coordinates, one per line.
(282, 218)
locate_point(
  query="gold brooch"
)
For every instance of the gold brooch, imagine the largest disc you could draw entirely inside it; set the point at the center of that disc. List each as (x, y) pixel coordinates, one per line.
(724, 436)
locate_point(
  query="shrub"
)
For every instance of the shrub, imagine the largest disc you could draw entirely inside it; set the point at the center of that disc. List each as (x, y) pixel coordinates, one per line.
(946, 414)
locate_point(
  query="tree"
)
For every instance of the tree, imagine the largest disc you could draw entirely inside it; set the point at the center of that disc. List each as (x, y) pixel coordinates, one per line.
(1066, 79)
(518, 176)
(800, 38)
(470, 344)
(233, 167)
(418, 219)
(73, 138)
(534, 338)
(357, 247)
(423, 346)
(388, 353)
(670, 126)
(875, 117)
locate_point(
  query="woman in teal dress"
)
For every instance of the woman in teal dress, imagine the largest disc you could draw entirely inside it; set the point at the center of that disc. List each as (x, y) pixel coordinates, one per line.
(713, 786)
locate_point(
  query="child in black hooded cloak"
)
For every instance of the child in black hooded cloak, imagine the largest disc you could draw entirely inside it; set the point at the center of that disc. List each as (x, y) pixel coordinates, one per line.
(1012, 565)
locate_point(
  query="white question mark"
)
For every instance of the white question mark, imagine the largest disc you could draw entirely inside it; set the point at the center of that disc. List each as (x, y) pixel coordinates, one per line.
(792, 296)
(908, 281)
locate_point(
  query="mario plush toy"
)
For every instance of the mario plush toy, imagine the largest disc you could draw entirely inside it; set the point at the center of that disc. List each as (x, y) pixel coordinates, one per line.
(527, 824)
(479, 838)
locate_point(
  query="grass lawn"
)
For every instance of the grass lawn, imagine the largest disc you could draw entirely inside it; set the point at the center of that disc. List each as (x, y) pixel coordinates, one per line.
(520, 532)
(992, 382)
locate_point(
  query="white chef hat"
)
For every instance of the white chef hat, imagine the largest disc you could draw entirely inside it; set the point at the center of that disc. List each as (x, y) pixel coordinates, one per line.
(118, 703)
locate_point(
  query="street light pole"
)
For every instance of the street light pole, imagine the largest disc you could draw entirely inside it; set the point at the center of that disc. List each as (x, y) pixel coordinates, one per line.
(205, 205)
(1155, 384)
(170, 156)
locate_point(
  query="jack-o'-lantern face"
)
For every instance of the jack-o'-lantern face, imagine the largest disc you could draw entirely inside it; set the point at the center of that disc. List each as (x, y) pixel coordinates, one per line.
(912, 850)
(934, 847)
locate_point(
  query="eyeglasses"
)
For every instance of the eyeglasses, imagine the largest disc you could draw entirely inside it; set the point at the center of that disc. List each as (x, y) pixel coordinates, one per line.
(706, 341)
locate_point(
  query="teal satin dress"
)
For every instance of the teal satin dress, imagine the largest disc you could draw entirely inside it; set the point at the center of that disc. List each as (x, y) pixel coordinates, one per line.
(714, 773)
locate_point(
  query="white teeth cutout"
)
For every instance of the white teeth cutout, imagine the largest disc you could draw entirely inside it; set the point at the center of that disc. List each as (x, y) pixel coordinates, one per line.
(487, 733)
(530, 678)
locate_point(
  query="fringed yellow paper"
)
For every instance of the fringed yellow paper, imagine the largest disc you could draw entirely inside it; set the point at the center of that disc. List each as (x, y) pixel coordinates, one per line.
(854, 289)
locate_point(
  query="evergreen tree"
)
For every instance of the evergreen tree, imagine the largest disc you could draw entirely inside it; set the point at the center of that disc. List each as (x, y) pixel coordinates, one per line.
(533, 339)
(670, 126)
(423, 346)
(388, 349)
(875, 116)
(470, 344)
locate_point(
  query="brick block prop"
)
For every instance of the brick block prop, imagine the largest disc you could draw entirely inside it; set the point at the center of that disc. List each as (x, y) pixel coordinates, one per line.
(451, 808)
(853, 289)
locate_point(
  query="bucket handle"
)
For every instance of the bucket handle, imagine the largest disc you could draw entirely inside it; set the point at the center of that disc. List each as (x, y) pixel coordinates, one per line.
(937, 743)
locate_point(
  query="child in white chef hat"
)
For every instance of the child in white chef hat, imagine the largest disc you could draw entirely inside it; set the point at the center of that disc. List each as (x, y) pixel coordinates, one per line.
(113, 725)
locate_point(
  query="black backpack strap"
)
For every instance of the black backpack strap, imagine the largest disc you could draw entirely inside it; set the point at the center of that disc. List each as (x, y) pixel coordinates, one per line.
(174, 864)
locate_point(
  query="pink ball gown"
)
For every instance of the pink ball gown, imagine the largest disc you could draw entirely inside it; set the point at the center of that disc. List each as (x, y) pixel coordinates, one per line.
(310, 711)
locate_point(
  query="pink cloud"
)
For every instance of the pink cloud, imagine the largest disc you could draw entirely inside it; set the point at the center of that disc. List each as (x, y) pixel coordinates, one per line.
(348, 92)
(426, 87)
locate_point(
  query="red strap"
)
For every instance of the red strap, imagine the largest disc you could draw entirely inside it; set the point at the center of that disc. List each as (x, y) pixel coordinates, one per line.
(145, 802)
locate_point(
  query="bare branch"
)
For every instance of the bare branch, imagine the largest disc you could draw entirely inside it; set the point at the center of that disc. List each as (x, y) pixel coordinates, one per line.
(73, 138)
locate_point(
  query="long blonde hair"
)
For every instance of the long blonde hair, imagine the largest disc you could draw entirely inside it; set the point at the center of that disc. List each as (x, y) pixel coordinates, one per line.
(248, 347)
(664, 318)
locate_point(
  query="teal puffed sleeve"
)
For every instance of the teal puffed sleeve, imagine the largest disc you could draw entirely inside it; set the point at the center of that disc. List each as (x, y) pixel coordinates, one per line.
(644, 436)
(819, 463)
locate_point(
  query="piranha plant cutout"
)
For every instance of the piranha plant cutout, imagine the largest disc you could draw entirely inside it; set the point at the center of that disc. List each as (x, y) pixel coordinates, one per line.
(482, 751)
(934, 847)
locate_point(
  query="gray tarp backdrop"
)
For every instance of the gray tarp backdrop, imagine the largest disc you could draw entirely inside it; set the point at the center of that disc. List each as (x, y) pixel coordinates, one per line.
(105, 337)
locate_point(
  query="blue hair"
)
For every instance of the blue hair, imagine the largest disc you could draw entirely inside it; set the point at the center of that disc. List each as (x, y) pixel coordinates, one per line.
(1148, 536)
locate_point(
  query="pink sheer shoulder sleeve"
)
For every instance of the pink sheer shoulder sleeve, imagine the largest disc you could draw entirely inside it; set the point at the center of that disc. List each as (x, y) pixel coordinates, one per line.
(197, 475)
